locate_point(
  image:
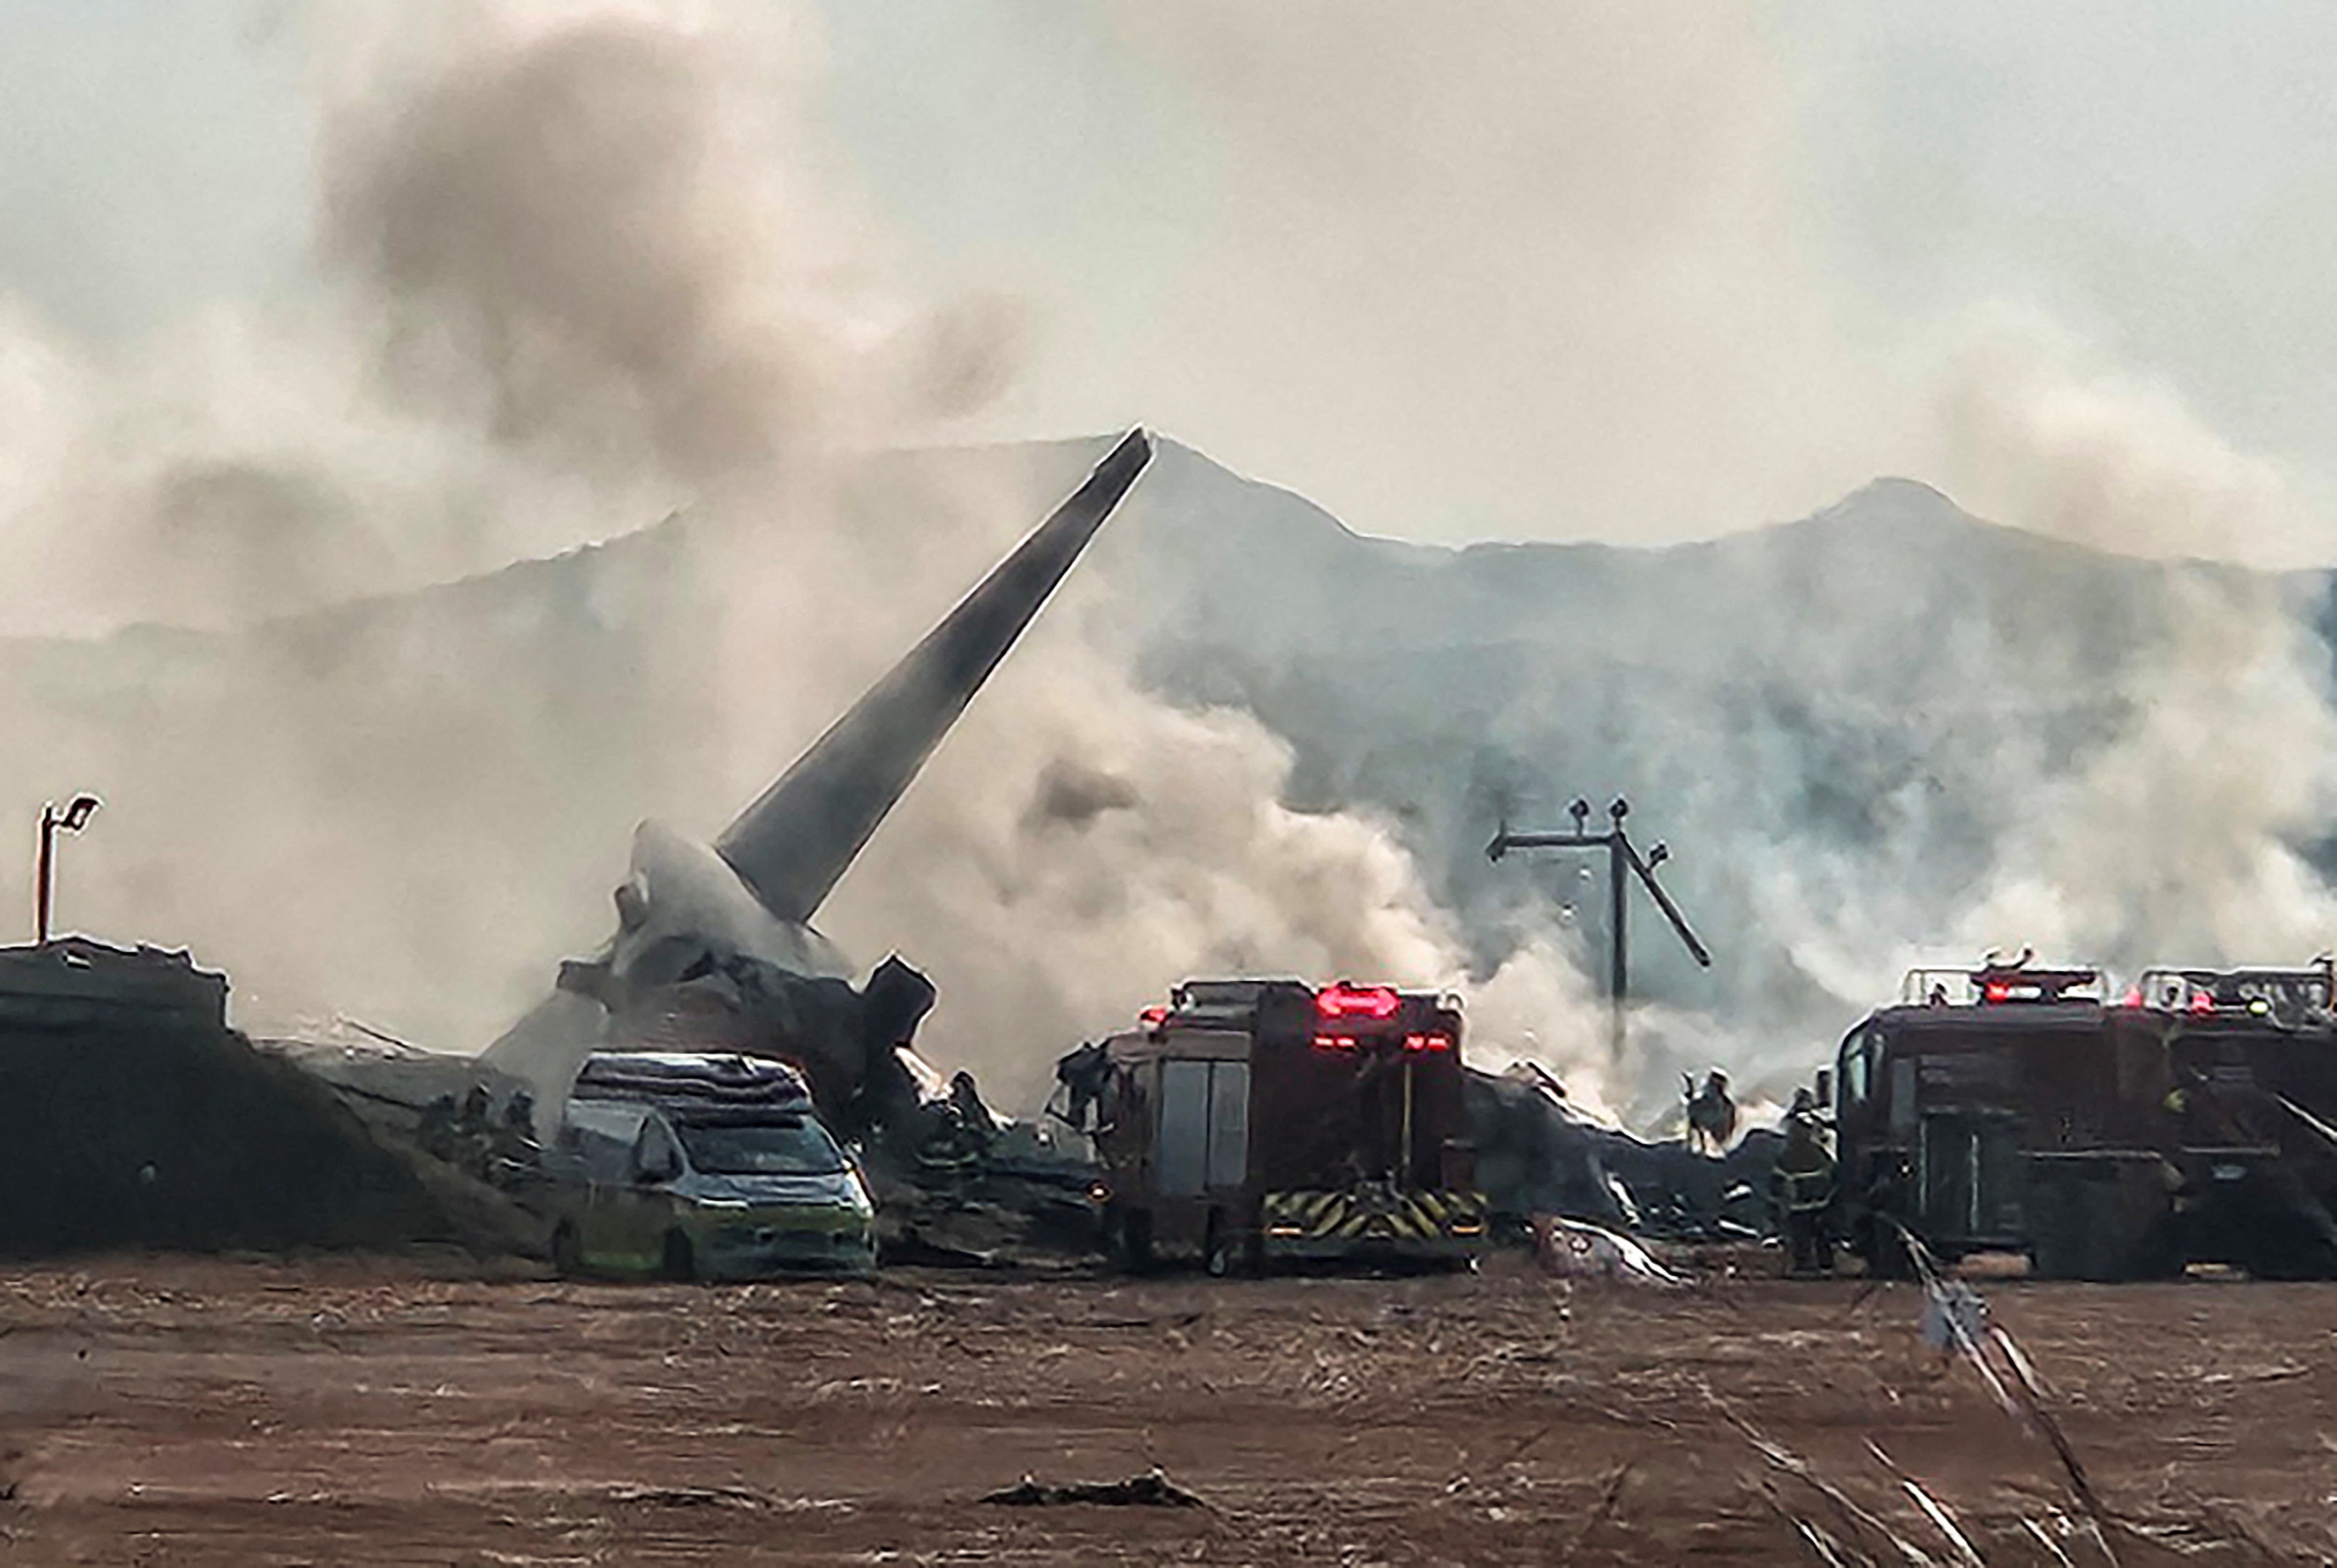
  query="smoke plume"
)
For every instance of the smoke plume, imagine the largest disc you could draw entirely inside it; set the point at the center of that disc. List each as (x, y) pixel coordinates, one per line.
(584, 271)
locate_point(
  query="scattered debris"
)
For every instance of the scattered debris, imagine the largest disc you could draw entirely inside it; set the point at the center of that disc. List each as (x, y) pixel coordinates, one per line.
(688, 1496)
(1573, 1250)
(2280, 1374)
(1538, 1153)
(1153, 1489)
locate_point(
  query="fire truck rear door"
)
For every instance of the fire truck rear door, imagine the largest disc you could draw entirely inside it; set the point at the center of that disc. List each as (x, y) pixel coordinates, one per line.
(1181, 1156)
(1228, 1124)
(1204, 1139)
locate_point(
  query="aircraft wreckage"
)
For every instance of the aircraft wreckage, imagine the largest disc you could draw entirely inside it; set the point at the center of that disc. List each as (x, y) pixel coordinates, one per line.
(715, 951)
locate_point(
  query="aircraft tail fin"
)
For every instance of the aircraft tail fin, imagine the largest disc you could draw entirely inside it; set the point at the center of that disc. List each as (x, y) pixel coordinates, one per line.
(792, 844)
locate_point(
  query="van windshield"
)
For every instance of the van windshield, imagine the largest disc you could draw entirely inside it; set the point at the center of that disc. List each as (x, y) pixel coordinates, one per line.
(791, 1146)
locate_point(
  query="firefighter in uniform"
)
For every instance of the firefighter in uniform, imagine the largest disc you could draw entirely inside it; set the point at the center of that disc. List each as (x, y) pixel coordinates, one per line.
(1801, 1185)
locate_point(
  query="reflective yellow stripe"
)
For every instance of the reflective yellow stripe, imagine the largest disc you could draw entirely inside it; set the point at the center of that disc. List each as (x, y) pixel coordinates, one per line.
(1356, 1215)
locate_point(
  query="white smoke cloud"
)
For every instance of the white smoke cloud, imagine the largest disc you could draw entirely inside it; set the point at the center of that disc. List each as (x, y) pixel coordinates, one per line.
(2035, 432)
(2180, 840)
(2179, 834)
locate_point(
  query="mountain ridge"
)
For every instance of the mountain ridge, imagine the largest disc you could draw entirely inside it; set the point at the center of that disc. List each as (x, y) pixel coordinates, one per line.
(1843, 722)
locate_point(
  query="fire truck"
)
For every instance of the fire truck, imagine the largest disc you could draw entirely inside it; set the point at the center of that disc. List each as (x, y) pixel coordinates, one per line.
(1945, 1102)
(2011, 1107)
(2252, 1072)
(1255, 1122)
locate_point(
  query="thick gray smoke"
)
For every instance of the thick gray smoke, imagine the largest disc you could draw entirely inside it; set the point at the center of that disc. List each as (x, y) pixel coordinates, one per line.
(583, 274)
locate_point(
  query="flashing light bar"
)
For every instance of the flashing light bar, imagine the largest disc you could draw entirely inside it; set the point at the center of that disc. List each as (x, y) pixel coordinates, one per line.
(1343, 1000)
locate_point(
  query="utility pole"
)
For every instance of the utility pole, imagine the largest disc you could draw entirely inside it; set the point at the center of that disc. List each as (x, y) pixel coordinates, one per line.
(73, 819)
(1622, 857)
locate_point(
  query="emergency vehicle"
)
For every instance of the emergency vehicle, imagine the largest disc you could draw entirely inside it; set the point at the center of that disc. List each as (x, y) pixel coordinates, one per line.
(1985, 1103)
(2016, 1108)
(2252, 1089)
(702, 1165)
(1253, 1122)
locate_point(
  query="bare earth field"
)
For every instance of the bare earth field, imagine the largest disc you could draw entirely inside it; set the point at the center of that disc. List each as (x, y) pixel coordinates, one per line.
(355, 1410)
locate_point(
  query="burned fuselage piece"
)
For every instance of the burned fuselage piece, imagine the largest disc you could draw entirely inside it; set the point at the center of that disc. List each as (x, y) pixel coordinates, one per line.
(714, 947)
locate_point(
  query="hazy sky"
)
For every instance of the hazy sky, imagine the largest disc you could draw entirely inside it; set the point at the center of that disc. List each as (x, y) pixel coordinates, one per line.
(1522, 269)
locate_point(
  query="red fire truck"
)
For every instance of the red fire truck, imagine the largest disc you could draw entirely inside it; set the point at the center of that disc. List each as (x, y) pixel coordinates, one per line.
(1256, 1121)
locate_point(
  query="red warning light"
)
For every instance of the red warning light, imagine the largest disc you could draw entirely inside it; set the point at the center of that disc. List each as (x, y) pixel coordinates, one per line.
(1335, 1042)
(1153, 1018)
(1427, 1042)
(1345, 1001)
(1996, 991)
(2203, 1002)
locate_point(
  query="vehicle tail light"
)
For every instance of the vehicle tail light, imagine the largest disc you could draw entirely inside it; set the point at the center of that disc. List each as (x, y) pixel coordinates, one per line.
(1427, 1043)
(1335, 1042)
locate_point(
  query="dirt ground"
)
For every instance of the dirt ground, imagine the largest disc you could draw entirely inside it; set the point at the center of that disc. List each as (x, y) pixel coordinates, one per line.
(371, 1411)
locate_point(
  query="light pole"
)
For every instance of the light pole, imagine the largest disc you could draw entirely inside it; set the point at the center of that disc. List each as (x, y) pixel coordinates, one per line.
(1623, 861)
(73, 819)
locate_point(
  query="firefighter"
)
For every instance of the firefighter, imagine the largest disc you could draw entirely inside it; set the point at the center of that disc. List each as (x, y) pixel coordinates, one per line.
(1801, 1185)
(1711, 1114)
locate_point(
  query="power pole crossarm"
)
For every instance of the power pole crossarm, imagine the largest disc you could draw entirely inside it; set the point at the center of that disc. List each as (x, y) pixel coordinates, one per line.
(1623, 862)
(1508, 841)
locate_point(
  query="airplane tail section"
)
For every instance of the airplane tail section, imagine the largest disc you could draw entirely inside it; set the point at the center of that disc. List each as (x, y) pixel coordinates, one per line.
(794, 844)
